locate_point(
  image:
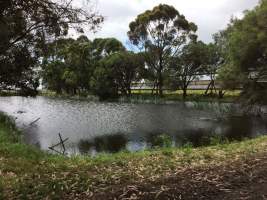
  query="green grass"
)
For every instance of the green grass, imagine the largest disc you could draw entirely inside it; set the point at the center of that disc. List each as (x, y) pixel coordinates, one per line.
(28, 173)
(81, 96)
(8, 93)
(142, 96)
(189, 92)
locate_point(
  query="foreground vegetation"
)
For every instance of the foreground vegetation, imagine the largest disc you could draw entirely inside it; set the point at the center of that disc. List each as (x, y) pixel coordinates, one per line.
(28, 173)
(139, 96)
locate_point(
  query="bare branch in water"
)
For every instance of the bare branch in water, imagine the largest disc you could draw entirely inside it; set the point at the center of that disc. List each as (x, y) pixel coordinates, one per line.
(33, 122)
(61, 143)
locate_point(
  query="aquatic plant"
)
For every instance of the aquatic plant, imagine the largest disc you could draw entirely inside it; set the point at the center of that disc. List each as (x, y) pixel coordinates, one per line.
(162, 140)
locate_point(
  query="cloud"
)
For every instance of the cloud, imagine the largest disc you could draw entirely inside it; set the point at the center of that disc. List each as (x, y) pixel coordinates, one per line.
(209, 15)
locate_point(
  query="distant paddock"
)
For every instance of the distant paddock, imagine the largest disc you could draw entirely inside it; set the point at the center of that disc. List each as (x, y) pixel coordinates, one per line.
(189, 92)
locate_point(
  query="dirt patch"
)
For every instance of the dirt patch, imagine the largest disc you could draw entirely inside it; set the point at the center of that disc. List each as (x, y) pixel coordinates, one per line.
(242, 179)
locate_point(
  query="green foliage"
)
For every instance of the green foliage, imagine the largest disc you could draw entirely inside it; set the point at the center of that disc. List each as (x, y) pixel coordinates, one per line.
(102, 67)
(162, 140)
(102, 82)
(104, 47)
(218, 139)
(68, 65)
(188, 65)
(52, 76)
(71, 80)
(244, 48)
(230, 76)
(116, 73)
(7, 124)
(25, 26)
(160, 32)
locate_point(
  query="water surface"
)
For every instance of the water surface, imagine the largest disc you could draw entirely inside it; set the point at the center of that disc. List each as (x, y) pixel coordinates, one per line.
(94, 127)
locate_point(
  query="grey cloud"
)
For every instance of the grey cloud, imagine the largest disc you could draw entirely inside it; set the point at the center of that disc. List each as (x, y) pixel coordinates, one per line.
(210, 15)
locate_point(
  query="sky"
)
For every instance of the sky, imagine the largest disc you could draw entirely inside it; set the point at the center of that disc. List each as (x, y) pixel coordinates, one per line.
(209, 15)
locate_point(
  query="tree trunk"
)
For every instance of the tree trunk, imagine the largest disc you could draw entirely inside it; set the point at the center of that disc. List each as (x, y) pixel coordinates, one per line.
(160, 84)
(59, 91)
(160, 78)
(221, 94)
(129, 91)
(154, 86)
(123, 91)
(184, 93)
(157, 88)
(210, 87)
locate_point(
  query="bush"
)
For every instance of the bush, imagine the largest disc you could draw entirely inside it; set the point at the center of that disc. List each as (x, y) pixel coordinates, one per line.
(162, 140)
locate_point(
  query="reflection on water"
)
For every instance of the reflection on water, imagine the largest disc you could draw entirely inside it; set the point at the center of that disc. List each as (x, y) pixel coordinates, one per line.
(95, 127)
(108, 143)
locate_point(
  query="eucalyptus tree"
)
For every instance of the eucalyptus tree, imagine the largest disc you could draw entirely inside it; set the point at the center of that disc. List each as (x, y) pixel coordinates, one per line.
(35, 21)
(52, 75)
(213, 63)
(246, 54)
(26, 26)
(189, 65)
(75, 59)
(104, 47)
(116, 74)
(102, 81)
(161, 32)
(80, 65)
(126, 69)
(53, 65)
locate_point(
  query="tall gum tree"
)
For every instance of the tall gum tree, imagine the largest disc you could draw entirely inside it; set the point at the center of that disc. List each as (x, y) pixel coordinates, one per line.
(160, 32)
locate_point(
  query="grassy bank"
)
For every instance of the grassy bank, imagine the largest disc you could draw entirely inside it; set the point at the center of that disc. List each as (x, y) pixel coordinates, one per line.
(27, 173)
(145, 96)
(82, 96)
(140, 96)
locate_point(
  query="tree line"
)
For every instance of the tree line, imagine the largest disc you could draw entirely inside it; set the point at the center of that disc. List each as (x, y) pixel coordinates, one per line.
(169, 55)
(168, 52)
(102, 66)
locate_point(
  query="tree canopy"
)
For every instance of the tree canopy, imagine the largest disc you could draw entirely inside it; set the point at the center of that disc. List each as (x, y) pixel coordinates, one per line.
(35, 45)
(190, 64)
(124, 68)
(160, 32)
(245, 52)
(102, 67)
(26, 26)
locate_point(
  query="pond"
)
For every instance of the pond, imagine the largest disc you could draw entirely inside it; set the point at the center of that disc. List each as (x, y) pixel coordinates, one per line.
(93, 127)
